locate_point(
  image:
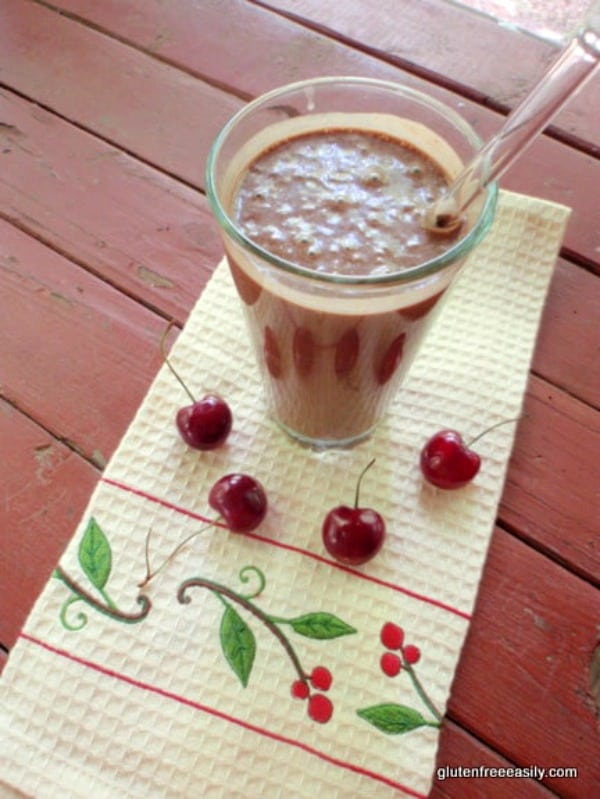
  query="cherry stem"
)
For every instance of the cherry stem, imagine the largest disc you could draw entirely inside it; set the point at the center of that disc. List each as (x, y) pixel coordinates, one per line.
(422, 693)
(223, 592)
(359, 481)
(166, 359)
(150, 575)
(492, 427)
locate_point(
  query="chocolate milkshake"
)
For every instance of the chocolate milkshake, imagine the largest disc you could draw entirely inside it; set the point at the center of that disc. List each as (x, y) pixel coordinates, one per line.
(337, 199)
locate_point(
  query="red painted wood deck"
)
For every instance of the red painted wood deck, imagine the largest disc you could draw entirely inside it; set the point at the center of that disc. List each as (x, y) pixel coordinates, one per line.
(107, 111)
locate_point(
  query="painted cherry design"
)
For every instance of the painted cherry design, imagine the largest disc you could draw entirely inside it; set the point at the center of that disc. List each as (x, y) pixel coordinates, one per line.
(392, 638)
(353, 535)
(391, 664)
(300, 689)
(320, 707)
(241, 500)
(393, 718)
(205, 423)
(447, 462)
(321, 678)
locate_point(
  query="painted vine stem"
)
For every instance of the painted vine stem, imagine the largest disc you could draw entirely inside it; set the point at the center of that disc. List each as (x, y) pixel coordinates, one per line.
(236, 636)
(95, 558)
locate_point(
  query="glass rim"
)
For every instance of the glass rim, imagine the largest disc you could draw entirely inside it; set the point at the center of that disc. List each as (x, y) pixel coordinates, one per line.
(459, 249)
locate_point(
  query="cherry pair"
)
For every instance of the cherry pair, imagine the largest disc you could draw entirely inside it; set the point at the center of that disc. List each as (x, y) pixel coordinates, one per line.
(205, 424)
(354, 535)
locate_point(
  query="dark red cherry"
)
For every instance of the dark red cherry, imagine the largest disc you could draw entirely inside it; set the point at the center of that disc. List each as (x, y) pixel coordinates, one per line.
(447, 462)
(206, 423)
(353, 535)
(241, 501)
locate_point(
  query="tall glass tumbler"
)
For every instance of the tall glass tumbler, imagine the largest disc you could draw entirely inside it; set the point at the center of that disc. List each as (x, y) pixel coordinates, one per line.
(333, 347)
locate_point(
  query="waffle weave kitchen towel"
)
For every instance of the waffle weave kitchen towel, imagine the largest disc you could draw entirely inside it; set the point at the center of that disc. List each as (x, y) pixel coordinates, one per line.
(254, 665)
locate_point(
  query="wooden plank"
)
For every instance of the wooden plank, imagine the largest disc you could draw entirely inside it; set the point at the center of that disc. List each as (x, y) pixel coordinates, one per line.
(175, 115)
(458, 748)
(496, 63)
(423, 34)
(149, 235)
(523, 677)
(139, 103)
(552, 494)
(45, 488)
(77, 355)
(570, 315)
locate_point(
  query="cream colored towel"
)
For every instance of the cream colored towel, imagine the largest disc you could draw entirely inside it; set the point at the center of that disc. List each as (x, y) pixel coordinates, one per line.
(187, 692)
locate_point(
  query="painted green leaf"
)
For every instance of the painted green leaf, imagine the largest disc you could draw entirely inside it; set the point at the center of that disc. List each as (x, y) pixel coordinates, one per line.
(95, 555)
(322, 626)
(393, 719)
(238, 644)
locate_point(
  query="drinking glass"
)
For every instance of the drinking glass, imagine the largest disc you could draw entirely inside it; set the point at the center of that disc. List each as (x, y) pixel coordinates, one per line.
(334, 348)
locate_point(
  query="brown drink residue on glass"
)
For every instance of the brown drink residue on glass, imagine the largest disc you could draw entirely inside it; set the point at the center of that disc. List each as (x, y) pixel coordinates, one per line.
(340, 202)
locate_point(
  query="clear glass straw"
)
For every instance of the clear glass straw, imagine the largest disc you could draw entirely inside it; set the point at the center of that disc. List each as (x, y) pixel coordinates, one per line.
(567, 75)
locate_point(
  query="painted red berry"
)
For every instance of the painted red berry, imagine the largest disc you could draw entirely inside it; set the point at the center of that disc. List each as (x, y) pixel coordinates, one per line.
(320, 708)
(300, 689)
(412, 654)
(321, 678)
(390, 663)
(392, 636)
